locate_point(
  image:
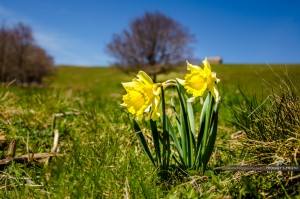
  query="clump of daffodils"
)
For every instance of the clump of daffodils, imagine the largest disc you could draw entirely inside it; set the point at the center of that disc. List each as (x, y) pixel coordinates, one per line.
(181, 146)
(143, 96)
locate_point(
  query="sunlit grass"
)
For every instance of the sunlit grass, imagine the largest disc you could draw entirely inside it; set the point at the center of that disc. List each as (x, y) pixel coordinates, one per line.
(101, 155)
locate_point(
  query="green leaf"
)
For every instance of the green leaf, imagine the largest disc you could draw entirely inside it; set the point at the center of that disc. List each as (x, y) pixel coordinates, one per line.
(180, 163)
(166, 139)
(142, 141)
(190, 112)
(183, 128)
(207, 125)
(155, 135)
(178, 124)
(212, 137)
(174, 137)
(192, 131)
(185, 132)
(174, 109)
(201, 129)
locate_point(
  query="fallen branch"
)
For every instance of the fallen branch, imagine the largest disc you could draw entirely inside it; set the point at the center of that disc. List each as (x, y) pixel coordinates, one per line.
(54, 149)
(28, 158)
(56, 115)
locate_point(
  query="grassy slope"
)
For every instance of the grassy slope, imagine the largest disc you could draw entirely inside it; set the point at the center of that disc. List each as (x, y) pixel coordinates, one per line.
(107, 80)
(101, 154)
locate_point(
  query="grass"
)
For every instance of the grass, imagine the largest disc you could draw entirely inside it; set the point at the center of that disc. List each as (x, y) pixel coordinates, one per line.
(271, 136)
(101, 155)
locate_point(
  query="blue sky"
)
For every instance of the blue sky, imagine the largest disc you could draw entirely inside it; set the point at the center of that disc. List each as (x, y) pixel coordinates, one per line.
(240, 31)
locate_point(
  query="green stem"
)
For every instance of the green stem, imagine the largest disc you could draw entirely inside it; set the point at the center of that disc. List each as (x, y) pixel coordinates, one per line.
(165, 140)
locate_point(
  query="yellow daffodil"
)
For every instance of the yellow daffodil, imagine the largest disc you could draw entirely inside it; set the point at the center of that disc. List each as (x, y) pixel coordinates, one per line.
(200, 80)
(143, 96)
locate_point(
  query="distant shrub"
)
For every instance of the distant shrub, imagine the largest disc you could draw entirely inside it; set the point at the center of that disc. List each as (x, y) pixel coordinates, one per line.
(21, 59)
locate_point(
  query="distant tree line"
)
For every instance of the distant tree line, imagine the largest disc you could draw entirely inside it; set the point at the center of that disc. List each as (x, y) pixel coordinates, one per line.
(21, 59)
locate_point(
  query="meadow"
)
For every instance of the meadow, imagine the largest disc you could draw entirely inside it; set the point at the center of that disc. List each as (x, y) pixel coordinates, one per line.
(98, 153)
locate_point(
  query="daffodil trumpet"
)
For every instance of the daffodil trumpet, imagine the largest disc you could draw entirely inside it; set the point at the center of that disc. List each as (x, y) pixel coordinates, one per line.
(200, 80)
(143, 97)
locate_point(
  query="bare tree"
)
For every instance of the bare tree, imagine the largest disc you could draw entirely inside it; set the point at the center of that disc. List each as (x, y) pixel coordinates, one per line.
(153, 42)
(21, 59)
(38, 65)
(3, 46)
(23, 40)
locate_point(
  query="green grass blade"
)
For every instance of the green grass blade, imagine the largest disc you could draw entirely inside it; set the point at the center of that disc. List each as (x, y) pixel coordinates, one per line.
(142, 141)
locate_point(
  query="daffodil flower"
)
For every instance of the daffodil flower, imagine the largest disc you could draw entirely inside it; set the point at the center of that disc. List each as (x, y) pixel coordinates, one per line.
(143, 97)
(200, 80)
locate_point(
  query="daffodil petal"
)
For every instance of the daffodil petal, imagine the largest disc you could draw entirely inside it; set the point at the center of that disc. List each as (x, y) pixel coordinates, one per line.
(144, 77)
(156, 112)
(143, 97)
(127, 85)
(192, 99)
(214, 77)
(192, 67)
(214, 91)
(206, 64)
(139, 117)
(156, 90)
(181, 81)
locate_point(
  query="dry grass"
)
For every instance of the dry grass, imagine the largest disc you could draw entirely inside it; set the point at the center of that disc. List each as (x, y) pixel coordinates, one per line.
(272, 135)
